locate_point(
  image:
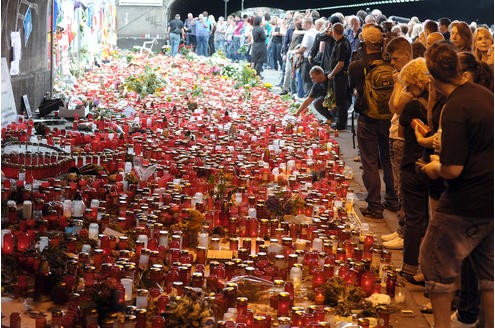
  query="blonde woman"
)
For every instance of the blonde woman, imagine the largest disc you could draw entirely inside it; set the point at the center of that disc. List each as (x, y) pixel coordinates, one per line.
(414, 185)
(483, 45)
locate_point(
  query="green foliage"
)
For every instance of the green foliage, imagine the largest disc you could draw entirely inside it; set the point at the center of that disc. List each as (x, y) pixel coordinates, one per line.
(343, 297)
(144, 84)
(243, 75)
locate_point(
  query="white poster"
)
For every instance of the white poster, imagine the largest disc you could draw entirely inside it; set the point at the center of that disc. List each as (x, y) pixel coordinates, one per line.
(9, 111)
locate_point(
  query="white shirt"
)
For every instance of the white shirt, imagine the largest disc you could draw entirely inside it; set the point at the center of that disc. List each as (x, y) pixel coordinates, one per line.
(394, 128)
(308, 40)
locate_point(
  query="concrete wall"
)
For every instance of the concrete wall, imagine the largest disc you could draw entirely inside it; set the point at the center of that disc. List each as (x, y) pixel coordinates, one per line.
(33, 79)
(141, 21)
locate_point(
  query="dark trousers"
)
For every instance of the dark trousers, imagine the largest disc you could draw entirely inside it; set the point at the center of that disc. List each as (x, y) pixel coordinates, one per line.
(468, 303)
(276, 48)
(372, 138)
(318, 103)
(258, 66)
(414, 190)
(341, 100)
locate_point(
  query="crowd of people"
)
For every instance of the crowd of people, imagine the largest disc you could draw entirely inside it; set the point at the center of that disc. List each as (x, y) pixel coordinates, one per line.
(423, 96)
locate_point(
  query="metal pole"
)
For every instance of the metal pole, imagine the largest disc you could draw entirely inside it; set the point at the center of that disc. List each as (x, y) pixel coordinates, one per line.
(242, 7)
(51, 48)
(225, 16)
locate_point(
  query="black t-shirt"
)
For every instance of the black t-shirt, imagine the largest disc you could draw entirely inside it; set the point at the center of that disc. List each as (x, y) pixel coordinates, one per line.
(412, 150)
(176, 26)
(467, 140)
(319, 89)
(277, 38)
(341, 52)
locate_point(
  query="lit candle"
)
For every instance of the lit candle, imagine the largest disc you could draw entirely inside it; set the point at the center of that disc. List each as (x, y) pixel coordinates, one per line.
(27, 209)
(203, 239)
(283, 304)
(127, 283)
(317, 245)
(93, 231)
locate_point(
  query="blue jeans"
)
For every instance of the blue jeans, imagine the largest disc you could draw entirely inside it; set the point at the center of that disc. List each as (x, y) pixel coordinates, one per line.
(174, 43)
(299, 83)
(450, 239)
(220, 45)
(236, 44)
(372, 136)
(202, 45)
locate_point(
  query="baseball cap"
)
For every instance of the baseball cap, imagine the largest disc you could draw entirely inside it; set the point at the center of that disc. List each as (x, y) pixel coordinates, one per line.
(372, 34)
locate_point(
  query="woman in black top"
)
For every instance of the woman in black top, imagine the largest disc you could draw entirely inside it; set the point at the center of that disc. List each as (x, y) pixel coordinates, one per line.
(258, 51)
(414, 184)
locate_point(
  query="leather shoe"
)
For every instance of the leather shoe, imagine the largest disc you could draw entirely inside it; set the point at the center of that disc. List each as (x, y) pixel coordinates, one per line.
(374, 214)
(415, 279)
(284, 92)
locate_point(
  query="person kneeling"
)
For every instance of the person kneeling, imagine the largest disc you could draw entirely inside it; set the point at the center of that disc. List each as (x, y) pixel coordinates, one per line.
(316, 96)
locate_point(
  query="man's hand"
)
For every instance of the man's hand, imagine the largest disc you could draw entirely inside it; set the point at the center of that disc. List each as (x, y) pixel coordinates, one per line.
(432, 169)
(330, 76)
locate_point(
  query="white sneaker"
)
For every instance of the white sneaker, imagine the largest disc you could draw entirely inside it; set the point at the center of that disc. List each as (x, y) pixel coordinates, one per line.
(455, 323)
(396, 243)
(390, 236)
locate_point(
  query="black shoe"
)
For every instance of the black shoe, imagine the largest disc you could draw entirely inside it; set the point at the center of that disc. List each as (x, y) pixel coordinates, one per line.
(284, 92)
(391, 207)
(415, 279)
(336, 127)
(374, 214)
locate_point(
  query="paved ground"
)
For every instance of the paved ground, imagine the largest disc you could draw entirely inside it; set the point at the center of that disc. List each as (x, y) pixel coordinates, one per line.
(414, 294)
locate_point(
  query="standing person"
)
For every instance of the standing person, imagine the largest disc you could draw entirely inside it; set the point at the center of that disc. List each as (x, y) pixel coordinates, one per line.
(276, 43)
(339, 62)
(373, 121)
(202, 35)
(414, 77)
(462, 226)
(443, 27)
(229, 34)
(352, 33)
(220, 32)
(461, 36)
(304, 49)
(400, 52)
(247, 39)
(238, 35)
(211, 38)
(190, 31)
(259, 51)
(483, 45)
(174, 32)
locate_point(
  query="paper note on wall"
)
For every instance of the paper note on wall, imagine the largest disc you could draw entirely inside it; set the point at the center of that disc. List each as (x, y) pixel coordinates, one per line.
(15, 42)
(9, 111)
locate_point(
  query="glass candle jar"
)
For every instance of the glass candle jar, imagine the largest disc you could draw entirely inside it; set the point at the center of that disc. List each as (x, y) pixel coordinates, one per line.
(142, 298)
(283, 305)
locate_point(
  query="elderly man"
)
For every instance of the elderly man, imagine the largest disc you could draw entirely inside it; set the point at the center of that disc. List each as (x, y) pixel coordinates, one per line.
(352, 33)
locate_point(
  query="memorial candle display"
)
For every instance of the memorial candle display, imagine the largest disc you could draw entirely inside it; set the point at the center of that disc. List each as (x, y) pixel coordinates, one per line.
(172, 182)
